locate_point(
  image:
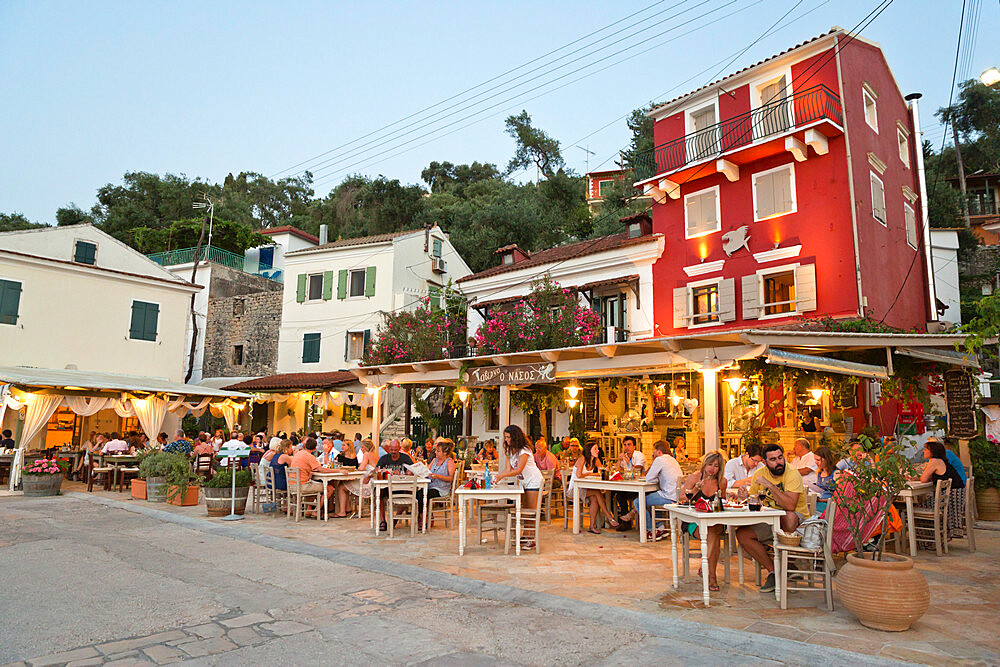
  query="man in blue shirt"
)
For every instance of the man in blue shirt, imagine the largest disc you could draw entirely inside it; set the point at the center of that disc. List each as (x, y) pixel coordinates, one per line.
(180, 446)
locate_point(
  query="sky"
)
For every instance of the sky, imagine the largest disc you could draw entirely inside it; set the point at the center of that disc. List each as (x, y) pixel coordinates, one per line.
(93, 90)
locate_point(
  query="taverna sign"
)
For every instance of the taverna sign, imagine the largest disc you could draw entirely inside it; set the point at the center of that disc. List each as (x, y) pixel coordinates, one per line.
(492, 376)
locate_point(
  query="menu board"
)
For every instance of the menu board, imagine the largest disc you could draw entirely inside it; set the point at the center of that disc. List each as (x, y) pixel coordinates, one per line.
(961, 404)
(589, 399)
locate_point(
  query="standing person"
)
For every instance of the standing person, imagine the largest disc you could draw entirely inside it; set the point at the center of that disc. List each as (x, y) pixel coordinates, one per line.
(589, 465)
(807, 422)
(805, 461)
(521, 464)
(666, 472)
(708, 481)
(739, 470)
(779, 487)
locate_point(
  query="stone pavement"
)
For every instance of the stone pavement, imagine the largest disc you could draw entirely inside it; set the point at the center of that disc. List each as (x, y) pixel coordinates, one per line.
(87, 580)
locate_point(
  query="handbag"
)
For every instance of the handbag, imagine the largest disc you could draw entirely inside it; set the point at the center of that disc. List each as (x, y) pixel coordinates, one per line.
(812, 533)
(702, 505)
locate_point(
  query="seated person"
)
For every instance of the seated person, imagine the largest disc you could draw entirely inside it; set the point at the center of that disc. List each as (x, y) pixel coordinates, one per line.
(739, 471)
(857, 453)
(406, 448)
(589, 465)
(395, 462)
(572, 452)
(937, 468)
(487, 453)
(561, 446)
(779, 487)
(680, 450)
(706, 483)
(115, 445)
(823, 485)
(666, 472)
(805, 460)
(204, 446)
(544, 459)
(307, 463)
(634, 460)
(181, 445)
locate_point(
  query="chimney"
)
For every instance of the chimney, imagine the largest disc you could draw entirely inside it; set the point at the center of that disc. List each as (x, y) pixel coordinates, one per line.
(639, 224)
(324, 231)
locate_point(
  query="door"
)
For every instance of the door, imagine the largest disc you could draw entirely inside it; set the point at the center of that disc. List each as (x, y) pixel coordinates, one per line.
(775, 111)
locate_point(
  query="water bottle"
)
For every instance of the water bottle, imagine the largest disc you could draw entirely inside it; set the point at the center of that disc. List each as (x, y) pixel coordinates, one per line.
(487, 481)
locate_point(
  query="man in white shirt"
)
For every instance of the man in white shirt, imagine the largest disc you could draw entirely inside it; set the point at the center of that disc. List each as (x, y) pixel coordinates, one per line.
(805, 461)
(115, 445)
(740, 470)
(666, 472)
(235, 441)
(631, 459)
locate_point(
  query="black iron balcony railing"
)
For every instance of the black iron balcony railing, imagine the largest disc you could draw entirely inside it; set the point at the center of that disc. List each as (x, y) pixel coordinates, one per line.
(774, 118)
(982, 204)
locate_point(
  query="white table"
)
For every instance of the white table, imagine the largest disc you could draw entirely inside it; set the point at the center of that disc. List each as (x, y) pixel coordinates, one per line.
(327, 477)
(914, 490)
(680, 513)
(639, 486)
(378, 485)
(465, 496)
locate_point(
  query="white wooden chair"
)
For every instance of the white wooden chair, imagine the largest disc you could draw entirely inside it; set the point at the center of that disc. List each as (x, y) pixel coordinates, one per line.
(445, 506)
(272, 495)
(819, 576)
(558, 495)
(402, 496)
(548, 479)
(564, 476)
(970, 512)
(531, 519)
(930, 525)
(299, 499)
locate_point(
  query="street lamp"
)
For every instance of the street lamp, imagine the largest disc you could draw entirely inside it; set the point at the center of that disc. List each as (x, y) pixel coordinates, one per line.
(990, 77)
(572, 390)
(463, 394)
(572, 402)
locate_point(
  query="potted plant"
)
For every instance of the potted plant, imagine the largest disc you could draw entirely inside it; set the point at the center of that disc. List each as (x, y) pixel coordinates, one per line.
(167, 476)
(985, 456)
(884, 591)
(42, 477)
(219, 492)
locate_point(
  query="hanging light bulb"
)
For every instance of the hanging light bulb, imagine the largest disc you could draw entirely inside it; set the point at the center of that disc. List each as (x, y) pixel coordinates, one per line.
(463, 394)
(735, 383)
(816, 393)
(572, 403)
(674, 398)
(572, 390)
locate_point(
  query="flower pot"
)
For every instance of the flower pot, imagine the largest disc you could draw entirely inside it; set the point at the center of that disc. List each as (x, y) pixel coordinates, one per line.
(885, 595)
(988, 504)
(219, 501)
(139, 489)
(188, 499)
(153, 486)
(41, 485)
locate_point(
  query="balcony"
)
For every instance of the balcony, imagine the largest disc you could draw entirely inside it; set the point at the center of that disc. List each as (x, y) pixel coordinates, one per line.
(813, 107)
(212, 254)
(981, 205)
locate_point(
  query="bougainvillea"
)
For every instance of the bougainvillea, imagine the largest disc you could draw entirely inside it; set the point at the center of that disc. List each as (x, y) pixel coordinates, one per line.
(436, 329)
(549, 317)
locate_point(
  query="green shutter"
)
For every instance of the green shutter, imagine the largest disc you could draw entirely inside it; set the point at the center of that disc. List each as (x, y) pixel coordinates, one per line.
(327, 285)
(152, 317)
(435, 297)
(342, 284)
(365, 343)
(310, 348)
(347, 345)
(86, 253)
(138, 320)
(370, 281)
(437, 248)
(300, 290)
(10, 299)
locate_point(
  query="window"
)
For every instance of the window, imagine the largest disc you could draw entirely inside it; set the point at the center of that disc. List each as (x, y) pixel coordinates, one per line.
(315, 287)
(237, 355)
(357, 343)
(357, 283)
(310, 348)
(702, 140)
(871, 110)
(604, 188)
(266, 260)
(779, 293)
(774, 192)
(701, 213)
(493, 418)
(85, 253)
(508, 258)
(436, 248)
(10, 301)
(144, 320)
(705, 304)
(904, 146)
(775, 115)
(910, 218)
(238, 307)
(878, 199)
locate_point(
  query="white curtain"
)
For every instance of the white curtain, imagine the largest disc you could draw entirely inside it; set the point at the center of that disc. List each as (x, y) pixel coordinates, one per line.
(86, 407)
(40, 409)
(150, 412)
(122, 408)
(227, 411)
(180, 406)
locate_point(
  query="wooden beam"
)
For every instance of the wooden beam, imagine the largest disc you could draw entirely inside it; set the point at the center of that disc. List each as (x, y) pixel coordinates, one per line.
(551, 355)
(607, 350)
(454, 363)
(422, 368)
(817, 141)
(798, 149)
(672, 189)
(658, 195)
(732, 171)
(500, 361)
(671, 345)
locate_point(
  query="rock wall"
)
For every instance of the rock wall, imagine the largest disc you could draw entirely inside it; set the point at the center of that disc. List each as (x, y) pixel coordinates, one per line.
(248, 320)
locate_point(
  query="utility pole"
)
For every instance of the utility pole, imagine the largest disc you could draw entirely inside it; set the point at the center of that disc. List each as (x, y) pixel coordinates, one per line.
(961, 172)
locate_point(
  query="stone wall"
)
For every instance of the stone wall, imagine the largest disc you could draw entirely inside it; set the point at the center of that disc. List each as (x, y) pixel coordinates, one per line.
(227, 282)
(249, 320)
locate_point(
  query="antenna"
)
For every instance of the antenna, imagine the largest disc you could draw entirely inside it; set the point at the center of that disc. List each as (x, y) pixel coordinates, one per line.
(210, 205)
(589, 153)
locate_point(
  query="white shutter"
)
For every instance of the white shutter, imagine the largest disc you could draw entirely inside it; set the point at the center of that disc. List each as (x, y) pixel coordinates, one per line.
(805, 287)
(764, 189)
(782, 190)
(693, 215)
(751, 298)
(878, 200)
(727, 300)
(910, 217)
(708, 218)
(681, 308)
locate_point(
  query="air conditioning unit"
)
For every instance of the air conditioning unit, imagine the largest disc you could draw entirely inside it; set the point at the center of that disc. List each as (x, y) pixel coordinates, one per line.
(438, 265)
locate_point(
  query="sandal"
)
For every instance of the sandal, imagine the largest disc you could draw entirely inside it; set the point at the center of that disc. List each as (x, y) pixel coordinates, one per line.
(613, 523)
(713, 585)
(595, 531)
(383, 526)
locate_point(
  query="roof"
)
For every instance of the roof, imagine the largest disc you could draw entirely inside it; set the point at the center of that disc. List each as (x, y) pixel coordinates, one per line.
(177, 282)
(566, 252)
(30, 378)
(288, 229)
(361, 240)
(831, 31)
(295, 381)
(606, 172)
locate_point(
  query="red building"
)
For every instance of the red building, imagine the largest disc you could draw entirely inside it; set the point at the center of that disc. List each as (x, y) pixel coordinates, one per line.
(790, 188)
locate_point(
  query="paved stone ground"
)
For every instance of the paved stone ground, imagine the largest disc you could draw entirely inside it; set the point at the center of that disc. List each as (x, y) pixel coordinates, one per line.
(86, 583)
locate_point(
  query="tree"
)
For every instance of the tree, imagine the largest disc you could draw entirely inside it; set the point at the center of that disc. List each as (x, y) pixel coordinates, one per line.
(642, 141)
(71, 215)
(228, 235)
(534, 147)
(15, 222)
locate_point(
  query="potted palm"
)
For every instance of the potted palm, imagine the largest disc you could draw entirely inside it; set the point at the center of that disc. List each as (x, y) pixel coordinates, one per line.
(219, 492)
(884, 591)
(42, 477)
(985, 456)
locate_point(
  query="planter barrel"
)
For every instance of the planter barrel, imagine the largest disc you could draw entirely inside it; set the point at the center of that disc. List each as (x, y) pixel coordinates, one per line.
(885, 595)
(153, 486)
(187, 500)
(988, 504)
(219, 501)
(41, 485)
(139, 489)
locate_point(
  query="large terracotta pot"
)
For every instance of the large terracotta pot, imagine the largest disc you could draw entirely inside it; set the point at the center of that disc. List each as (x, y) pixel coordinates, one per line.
(187, 500)
(885, 595)
(139, 489)
(988, 504)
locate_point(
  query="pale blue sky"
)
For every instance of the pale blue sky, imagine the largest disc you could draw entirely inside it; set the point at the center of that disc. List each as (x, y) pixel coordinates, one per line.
(91, 90)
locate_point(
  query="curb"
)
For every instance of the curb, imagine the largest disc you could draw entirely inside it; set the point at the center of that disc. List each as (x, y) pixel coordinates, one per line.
(690, 632)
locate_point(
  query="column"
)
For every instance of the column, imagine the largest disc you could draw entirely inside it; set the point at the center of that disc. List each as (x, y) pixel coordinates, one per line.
(504, 419)
(376, 416)
(710, 406)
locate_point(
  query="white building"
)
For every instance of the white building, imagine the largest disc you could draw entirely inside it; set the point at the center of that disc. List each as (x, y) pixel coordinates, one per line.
(944, 253)
(612, 275)
(75, 297)
(269, 260)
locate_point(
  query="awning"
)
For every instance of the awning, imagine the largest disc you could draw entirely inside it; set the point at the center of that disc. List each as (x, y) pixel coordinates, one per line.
(826, 364)
(940, 356)
(71, 382)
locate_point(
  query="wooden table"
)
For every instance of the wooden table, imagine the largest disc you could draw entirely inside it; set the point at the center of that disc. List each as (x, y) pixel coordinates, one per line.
(338, 476)
(378, 485)
(505, 492)
(117, 461)
(639, 486)
(914, 490)
(680, 513)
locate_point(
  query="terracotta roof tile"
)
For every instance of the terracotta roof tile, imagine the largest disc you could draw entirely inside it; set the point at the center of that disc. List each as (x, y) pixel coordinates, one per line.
(295, 381)
(294, 231)
(361, 240)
